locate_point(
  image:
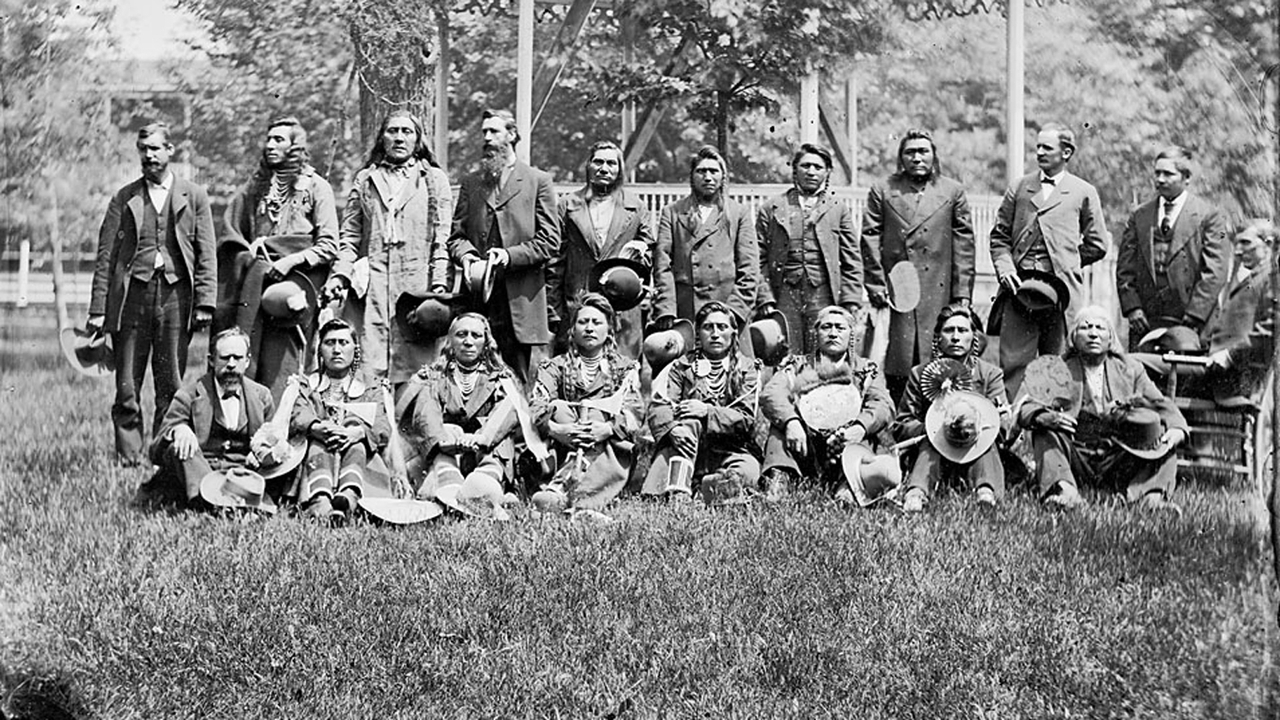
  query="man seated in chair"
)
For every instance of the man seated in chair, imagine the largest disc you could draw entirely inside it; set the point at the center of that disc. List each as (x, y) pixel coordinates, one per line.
(209, 423)
(804, 398)
(703, 416)
(1075, 438)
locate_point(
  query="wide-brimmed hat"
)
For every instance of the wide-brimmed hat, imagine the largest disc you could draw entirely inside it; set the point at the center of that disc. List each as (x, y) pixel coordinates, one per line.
(291, 301)
(278, 453)
(422, 318)
(88, 351)
(829, 407)
(477, 496)
(620, 281)
(1176, 339)
(401, 511)
(663, 346)
(1140, 431)
(769, 337)
(478, 280)
(236, 487)
(962, 425)
(870, 476)
(1041, 291)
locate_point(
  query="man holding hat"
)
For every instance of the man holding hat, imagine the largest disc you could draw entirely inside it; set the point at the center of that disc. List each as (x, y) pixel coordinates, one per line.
(210, 423)
(1173, 254)
(956, 403)
(154, 283)
(281, 236)
(1049, 228)
(506, 217)
(393, 266)
(809, 257)
(820, 403)
(603, 221)
(1113, 427)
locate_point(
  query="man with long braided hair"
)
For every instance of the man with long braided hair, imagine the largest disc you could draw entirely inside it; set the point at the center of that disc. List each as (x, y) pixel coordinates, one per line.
(282, 223)
(341, 413)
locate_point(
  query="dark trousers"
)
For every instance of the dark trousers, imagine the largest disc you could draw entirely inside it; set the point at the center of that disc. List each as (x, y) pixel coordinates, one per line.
(799, 301)
(1024, 336)
(153, 328)
(523, 359)
(931, 468)
(1062, 459)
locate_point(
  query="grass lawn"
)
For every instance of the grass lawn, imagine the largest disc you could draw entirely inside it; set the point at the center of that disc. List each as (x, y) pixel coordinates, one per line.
(799, 610)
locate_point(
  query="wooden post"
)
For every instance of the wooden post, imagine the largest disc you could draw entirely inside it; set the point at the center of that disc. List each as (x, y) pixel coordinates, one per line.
(24, 271)
(1015, 150)
(443, 69)
(524, 80)
(809, 91)
(851, 124)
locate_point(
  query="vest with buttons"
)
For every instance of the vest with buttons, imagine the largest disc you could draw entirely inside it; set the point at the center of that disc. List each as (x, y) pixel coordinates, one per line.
(156, 236)
(804, 258)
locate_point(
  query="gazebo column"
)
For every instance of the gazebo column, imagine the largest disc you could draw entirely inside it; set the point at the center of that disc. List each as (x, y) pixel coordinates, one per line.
(1015, 148)
(809, 91)
(524, 79)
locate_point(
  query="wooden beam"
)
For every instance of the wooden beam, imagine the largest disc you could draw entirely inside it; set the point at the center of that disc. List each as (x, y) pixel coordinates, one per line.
(810, 92)
(647, 124)
(838, 141)
(1016, 148)
(560, 55)
(524, 80)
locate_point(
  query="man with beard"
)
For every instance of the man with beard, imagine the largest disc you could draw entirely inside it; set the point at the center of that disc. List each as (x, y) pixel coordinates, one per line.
(506, 215)
(283, 222)
(706, 249)
(810, 257)
(603, 220)
(1173, 254)
(793, 446)
(1049, 225)
(396, 221)
(154, 282)
(918, 216)
(210, 422)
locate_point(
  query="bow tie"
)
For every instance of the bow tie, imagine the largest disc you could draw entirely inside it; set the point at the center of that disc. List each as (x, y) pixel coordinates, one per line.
(230, 393)
(1048, 181)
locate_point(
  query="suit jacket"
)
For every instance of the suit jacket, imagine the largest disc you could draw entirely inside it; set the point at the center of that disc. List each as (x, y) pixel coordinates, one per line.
(1126, 379)
(695, 263)
(570, 269)
(529, 225)
(192, 223)
(1071, 222)
(1242, 323)
(781, 219)
(196, 405)
(936, 236)
(1196, 266)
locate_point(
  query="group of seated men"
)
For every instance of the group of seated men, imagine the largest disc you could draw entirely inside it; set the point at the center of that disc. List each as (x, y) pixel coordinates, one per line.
(674, 371)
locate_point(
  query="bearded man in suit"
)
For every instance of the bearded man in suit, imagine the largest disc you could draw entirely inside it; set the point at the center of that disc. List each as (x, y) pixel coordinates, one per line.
(1050, 223)
(706, 250)
(603, 220)
(917, 216)
(809, 253)
(506, 214)
(154, 282)
(1173, 254)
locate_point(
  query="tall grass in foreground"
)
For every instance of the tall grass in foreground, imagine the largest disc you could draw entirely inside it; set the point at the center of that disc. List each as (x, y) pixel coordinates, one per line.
(801, 610)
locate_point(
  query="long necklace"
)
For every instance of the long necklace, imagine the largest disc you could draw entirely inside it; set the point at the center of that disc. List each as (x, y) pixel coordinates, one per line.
(718, 377)
(589, 368)
(466, 379)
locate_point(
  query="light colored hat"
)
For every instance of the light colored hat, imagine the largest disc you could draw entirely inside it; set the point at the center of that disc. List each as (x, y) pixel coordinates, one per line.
(769, 337)
(89, 352)
(477, 496)
(236, 487)
(277, 455)
(870, 476)
(401, 511)
(829, 407)
(962, 425)
(663, 346)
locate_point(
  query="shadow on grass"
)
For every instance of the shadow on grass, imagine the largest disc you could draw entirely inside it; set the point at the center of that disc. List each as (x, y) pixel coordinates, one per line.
(35, 696)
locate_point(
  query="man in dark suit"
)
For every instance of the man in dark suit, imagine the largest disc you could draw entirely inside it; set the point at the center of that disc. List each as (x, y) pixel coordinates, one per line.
(1050, 222)
(603, 220)
(1173, 254)
(506, 214)
(154, 282)
(706, 248)
(917, 216)
(210, 422)
(809, 252)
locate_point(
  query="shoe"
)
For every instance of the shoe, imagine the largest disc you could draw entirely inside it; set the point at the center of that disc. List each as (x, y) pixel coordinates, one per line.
(844, 496)
(1155, 501)
(914, 501)
(319, 509)
(986, 496)
(346, 501)
(1067, 498)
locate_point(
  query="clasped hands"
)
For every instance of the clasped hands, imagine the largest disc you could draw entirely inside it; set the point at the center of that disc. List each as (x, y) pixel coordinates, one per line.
(335, 437)
(582, 434)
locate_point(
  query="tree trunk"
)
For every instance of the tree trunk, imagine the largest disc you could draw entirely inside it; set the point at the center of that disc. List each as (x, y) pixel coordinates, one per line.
(722, 122)
(395, 55)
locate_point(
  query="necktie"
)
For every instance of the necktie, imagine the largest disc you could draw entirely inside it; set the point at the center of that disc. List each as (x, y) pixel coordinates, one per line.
(1167, 222)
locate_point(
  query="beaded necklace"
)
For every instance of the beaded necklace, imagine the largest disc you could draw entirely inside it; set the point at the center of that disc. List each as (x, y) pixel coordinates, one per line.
(466, 379)
(718, 377)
